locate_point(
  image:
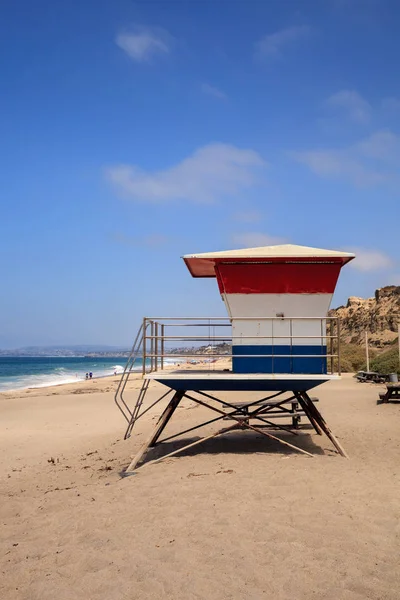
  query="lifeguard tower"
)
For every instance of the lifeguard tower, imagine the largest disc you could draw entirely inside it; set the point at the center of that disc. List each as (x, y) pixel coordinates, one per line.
(277, 339)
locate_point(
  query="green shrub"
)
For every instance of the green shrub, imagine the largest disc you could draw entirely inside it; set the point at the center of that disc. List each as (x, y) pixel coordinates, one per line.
(347, 366)
(387, 361)
(352, 358)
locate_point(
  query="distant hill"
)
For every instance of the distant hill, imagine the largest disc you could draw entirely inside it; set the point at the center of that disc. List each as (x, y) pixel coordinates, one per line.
(379, 316)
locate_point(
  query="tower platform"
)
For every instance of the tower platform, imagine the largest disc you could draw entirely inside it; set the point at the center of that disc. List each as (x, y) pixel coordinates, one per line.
(231, 382)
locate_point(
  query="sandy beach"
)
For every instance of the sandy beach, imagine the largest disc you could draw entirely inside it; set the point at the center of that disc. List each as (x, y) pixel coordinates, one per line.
(237, 517)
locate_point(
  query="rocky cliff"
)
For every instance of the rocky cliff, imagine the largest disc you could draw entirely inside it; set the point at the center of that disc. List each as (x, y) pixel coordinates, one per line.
(379, 315)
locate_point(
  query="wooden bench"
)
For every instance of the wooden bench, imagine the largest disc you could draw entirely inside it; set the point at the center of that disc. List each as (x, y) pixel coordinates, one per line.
(295, 412)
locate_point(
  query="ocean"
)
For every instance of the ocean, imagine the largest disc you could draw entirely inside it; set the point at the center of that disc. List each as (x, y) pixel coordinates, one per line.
(34, 372)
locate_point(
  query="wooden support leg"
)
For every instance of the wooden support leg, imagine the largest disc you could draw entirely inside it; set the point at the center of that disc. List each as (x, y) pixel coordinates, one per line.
(155, 434)
(321, 422)
(304, 406)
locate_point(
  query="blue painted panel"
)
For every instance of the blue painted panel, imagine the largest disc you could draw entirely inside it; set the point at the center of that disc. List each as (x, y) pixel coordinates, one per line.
(295, 362)
(241, 386)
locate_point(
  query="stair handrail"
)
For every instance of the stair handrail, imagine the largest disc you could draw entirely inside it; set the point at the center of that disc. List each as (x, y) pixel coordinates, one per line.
(118, 396)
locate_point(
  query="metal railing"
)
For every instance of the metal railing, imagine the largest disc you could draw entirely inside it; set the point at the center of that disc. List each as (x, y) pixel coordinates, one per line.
(160, 338)
(213, 338)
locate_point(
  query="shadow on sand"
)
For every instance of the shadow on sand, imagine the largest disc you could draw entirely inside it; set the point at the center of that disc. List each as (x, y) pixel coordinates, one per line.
(238, 442)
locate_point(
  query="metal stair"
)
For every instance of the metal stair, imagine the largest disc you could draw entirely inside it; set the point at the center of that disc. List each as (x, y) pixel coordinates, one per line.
(136, 352)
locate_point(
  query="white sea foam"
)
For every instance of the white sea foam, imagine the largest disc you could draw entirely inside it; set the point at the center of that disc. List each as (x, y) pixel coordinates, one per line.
(58, 376)
(61, 375)
(173, 361)
(38, 381)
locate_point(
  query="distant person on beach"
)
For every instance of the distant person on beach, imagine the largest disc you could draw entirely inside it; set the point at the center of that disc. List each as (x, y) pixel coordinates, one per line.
(115, 371)
(87, 375)
(90, 375)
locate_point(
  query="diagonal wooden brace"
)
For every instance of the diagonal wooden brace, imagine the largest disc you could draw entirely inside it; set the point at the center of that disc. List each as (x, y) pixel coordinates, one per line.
(155, 434)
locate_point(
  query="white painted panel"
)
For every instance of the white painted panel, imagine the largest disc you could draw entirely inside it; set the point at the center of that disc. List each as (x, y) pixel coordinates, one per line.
(269, 305)
(307, 328)
(278, 331)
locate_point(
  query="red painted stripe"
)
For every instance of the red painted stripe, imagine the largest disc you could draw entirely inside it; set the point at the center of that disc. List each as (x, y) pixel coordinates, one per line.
(277, 278)
(205, 267)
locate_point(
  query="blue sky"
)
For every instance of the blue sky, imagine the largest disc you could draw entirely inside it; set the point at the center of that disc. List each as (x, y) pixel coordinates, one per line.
(135, 132)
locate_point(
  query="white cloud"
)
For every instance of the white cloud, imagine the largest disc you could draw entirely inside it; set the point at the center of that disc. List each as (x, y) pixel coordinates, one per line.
(370, 260)
(142, 44)
(210, 173)
(249, 216)
(373, 160)
(354, 106)
(252, 239)
(338, 164)
(210, 90)
(272, 45)
(382, 145)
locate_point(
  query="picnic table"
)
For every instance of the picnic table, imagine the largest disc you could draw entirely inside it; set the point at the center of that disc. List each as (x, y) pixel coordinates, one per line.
(392, 392)
(370, 376)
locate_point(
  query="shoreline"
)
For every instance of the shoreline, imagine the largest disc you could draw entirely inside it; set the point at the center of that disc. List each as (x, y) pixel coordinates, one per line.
(61, 388)
(134, 375)
(72, 379)
(51, 385)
